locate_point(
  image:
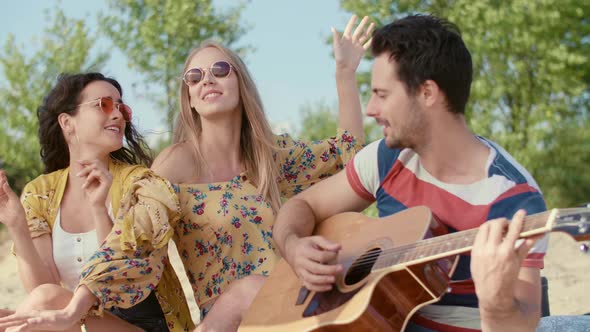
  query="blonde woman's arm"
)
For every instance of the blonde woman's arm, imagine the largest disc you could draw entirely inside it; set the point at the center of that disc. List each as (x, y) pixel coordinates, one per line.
(349, 49)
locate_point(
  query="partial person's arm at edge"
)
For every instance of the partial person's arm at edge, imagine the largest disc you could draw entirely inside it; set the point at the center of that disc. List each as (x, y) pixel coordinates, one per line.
(299, 215)
(32, 242)
(34, 259)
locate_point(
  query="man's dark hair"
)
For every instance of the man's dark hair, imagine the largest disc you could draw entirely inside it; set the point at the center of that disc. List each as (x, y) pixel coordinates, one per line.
(428, 48)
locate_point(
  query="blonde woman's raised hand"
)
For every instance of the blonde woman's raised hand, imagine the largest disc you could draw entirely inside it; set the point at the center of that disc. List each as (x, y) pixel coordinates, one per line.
(350, 47)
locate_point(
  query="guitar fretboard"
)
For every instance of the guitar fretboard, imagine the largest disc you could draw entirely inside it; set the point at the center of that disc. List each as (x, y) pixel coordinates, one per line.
(449, 244)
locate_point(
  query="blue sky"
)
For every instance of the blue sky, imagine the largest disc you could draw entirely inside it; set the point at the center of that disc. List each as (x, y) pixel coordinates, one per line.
(292, 65)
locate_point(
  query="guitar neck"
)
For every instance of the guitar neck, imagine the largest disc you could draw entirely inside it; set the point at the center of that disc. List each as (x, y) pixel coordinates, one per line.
(455, 243)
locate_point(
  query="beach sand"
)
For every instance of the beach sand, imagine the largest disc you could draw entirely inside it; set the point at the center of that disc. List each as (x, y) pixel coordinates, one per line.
(566, 267)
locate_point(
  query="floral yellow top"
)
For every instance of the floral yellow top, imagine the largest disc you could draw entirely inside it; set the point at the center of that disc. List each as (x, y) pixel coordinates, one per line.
(225, 231)
(143, 204)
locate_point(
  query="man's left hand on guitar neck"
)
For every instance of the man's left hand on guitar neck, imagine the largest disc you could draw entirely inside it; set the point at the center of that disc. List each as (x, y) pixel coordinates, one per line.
(507, 292)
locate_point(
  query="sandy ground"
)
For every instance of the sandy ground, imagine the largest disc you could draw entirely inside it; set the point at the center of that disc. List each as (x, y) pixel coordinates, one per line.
(567, 269)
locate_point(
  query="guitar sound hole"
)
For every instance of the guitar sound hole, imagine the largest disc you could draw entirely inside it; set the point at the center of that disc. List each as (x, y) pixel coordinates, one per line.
(361, 268)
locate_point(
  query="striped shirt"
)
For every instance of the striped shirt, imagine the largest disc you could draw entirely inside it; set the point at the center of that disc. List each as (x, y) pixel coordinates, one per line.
(396, 180)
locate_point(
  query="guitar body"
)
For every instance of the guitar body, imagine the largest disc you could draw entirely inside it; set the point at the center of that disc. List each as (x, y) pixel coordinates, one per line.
(382, 300)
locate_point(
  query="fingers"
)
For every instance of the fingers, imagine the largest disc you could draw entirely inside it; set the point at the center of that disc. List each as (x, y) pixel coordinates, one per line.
(370, 30)
(318, 281)
(14, 320)
(335, 37)
(4, 186)
(368, 35)
(361, 35)
(526, 246)
(40, 323)
(94, 175)
(358, 32)
(93, 170)
(496, 231)
(515, 228)
(481, 237)
(318, 277)
(348, 30)
(325, 244)
(20, 328)
(6, 312)
(8, 191)
(311, 255)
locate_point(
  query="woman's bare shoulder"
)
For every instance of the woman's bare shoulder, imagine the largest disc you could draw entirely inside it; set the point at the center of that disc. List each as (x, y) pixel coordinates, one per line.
(175, 163)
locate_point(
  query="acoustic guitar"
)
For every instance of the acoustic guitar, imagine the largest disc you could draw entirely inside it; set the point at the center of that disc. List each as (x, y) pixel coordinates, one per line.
(393, 266)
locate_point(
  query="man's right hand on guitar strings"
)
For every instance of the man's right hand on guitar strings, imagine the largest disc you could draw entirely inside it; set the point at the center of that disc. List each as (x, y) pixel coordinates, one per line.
(311, 259)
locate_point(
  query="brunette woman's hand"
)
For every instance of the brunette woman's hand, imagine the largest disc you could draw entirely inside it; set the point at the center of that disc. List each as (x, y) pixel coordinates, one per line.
(98, 182)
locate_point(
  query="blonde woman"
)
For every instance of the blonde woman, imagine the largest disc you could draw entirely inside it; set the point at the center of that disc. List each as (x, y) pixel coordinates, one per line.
(230, 173)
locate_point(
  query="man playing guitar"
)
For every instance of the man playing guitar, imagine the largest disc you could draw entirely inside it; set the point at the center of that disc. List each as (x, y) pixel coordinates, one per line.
(420, 83)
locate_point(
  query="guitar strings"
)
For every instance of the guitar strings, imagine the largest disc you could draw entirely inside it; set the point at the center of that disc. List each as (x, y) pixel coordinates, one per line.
(533, 222)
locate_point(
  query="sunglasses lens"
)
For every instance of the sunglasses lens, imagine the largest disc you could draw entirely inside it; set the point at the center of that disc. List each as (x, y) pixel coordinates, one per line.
(220, 69)
(106, 105)
(126, 111)
(193, 76)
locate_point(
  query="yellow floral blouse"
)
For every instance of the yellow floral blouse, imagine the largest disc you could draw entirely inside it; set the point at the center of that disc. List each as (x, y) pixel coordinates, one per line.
(144, 205)
(225, 231)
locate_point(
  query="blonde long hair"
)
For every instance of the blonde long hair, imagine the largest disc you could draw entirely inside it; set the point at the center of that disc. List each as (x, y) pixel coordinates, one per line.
(256, 140)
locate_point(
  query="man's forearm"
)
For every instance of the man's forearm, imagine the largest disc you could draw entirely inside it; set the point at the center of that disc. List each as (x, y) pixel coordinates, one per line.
(519, 317)
(295, 220)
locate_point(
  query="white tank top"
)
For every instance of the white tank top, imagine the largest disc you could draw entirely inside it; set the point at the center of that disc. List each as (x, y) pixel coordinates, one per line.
(71, 251)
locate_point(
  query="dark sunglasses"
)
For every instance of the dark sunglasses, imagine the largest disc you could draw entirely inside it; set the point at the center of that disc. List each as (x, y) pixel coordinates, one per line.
(107, 105)
(218, 69)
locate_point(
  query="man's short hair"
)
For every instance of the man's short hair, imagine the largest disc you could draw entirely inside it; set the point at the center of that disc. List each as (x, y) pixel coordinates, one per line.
(428, 48)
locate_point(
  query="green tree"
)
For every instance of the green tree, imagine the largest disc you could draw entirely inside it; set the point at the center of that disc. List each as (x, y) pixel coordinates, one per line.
(530, 91)
(320, 120)
(65, 46)
(157, 36)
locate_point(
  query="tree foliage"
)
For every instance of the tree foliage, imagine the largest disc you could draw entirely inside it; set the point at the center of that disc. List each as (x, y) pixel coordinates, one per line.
(157, 36)
(320, 120)
(531, 73)
(65, 46)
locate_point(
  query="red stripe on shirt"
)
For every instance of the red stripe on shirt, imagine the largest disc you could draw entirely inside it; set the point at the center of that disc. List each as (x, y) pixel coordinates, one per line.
(517, 189)
(535, 259)
(462, 287)
(356, 184)
(448, 208)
